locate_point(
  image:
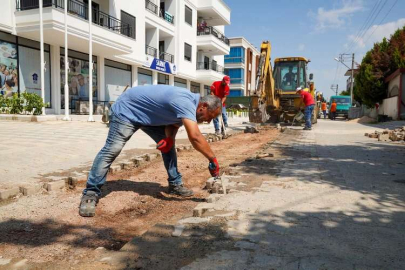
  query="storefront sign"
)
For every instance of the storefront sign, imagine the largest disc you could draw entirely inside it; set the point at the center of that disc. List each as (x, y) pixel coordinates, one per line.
(160, 65)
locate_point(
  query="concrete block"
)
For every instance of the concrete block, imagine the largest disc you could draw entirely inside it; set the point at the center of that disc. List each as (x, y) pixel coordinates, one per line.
(127, 165)
(201, 208)
(56, 185)
(210, 182)
(8, 193)
(138, 161)
(72, 181)
(31, 189)
(213, 198)
(150, 157)
(385, 137)
(114, 169)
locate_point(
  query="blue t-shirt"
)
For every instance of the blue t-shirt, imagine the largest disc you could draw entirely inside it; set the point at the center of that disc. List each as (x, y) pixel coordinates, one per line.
(156, 105)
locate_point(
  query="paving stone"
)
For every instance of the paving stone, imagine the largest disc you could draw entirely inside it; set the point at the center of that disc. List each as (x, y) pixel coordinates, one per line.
(8, 193)
(127, 165)
(138, 161)
(114, 169)
(56, 185)
(383, 137)
(210, 182)
(213, 198)
(150, 157)
(201, 208)
(31, 189)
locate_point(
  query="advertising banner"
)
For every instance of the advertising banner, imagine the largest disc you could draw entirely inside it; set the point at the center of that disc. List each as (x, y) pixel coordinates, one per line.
(160, 65)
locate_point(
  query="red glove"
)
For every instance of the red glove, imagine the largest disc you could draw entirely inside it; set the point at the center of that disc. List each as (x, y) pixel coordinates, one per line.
(214, 167)
(165, 145)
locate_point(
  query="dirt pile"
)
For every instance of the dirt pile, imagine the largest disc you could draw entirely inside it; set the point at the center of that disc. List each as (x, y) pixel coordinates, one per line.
(363, 120)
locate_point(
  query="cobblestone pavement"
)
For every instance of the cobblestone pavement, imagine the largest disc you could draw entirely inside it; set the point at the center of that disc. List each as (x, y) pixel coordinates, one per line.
(330, 198)
(30, 151)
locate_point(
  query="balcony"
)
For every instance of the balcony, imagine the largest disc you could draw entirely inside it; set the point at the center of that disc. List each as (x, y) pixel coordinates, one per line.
(207, 72)
(150, 51)
(80, 10)
(111, 36)
(164, 56)
(211, 41)
(215, 12)
(161, 13)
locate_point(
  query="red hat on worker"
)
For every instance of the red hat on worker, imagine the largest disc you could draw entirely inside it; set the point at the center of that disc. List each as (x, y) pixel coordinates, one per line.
(226, 79)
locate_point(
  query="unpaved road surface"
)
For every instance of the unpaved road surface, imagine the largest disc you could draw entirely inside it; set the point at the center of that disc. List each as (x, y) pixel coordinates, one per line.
(44, 231)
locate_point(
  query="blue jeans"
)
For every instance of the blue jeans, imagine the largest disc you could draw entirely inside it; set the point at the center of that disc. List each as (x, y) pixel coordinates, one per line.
(308, 115)
(216, 120)
(120, 132)
(324, 114)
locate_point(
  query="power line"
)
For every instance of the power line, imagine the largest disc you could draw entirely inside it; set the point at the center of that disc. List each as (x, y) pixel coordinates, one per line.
(381, 21)
(356, 38)
(371, 23)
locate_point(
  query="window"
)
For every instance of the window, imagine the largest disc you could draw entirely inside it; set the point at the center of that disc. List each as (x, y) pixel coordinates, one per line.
(163, 79)
(187, 52)
(188, 15)
(128, 24)
(180, 82)
(236, 55)
(195, 87)
(237, 75)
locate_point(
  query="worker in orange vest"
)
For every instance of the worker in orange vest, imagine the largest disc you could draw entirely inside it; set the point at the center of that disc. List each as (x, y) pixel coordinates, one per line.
(323, 107)
(333, 110)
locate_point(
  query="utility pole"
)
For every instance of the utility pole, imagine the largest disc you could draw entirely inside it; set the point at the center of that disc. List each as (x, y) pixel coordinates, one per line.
(352, 81)
(335, 87)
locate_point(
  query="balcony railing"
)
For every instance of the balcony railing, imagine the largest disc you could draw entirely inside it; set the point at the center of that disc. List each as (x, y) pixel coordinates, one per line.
(166, 16)
(209, 30)
(151, 51)
(80, 9)
(210, 66)
(166, 57)
(151, 7)
(234, 60)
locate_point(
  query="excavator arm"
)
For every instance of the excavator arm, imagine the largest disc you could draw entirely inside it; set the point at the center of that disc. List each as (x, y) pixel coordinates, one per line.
(264, 99)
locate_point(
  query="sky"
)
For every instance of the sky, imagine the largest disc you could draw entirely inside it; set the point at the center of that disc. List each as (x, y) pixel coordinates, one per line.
(317, 29)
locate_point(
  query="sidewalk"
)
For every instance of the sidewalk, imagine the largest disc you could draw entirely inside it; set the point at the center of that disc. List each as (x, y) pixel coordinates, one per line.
(33, 151)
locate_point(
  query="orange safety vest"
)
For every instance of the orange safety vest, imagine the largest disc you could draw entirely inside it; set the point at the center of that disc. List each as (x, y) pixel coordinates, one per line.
(323, 106)
(333, 107)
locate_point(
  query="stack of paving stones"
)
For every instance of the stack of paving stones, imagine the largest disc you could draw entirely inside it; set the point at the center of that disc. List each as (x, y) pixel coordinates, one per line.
(396, 135)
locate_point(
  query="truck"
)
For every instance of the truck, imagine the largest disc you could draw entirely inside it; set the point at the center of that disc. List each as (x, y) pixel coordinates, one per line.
(274, 98)
(343, 104)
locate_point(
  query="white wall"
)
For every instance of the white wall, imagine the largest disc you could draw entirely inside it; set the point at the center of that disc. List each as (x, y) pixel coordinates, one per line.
(390, 107)
(7, 15)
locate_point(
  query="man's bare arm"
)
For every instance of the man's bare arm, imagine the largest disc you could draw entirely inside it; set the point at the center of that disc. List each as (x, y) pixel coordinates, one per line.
(197, 139)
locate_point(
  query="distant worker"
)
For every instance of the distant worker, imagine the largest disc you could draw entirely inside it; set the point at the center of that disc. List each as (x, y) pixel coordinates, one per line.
(290, 77)
(309, 103)
(221, 90)
(332, 110)
(323, 107)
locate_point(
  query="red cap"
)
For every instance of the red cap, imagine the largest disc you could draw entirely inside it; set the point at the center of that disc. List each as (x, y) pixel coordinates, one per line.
(226, 79)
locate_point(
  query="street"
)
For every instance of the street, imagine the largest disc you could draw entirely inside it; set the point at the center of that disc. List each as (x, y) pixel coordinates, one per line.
(329, 198)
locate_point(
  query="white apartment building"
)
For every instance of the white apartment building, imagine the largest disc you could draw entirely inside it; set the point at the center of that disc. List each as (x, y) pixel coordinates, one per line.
(135, 42)
(241, 65)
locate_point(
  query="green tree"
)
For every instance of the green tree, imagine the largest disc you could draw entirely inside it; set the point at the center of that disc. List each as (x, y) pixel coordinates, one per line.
(378, 63)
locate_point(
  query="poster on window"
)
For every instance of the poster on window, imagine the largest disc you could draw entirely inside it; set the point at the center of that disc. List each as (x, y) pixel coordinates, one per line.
(8, 69)
(78, 80)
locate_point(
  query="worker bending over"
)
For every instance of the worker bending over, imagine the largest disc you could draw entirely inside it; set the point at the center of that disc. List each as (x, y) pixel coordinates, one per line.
(159, 111)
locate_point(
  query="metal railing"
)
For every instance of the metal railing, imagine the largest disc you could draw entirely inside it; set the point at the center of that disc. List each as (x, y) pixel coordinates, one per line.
(209, 30)
(210, 66)
(151, 6)
(151, 51)
(167, 17)
(234, 60)
(80, 9)
(166, 57)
